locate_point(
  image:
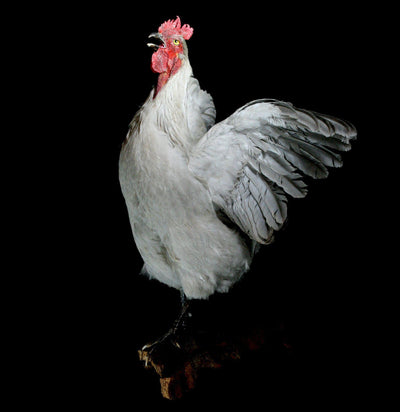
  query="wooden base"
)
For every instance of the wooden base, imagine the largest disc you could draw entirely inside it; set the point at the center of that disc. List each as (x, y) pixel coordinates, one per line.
(180, 368)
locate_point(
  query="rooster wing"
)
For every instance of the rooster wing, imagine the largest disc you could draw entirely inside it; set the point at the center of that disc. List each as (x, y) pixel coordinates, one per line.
(200, 109)
(260, 154)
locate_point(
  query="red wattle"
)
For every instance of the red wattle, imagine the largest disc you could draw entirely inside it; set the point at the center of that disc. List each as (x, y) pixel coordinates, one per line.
(162, 79)
(166, 63)
(159, 61)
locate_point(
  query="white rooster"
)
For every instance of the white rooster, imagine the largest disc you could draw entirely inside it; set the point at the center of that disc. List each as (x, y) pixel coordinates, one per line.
(201, 196)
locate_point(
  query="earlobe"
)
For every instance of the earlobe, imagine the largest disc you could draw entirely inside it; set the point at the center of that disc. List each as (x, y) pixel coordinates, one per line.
(174, 64)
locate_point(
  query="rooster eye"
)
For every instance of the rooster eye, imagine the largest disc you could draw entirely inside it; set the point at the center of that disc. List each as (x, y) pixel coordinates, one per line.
(177, 42)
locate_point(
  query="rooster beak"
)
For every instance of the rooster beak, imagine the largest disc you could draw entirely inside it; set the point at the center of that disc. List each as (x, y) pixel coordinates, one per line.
(157, 36)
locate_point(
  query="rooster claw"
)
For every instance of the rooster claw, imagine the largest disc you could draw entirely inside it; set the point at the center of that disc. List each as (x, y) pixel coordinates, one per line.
(169, 339)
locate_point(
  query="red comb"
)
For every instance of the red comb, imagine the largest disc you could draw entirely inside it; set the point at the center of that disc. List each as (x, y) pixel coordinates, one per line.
(173, 27)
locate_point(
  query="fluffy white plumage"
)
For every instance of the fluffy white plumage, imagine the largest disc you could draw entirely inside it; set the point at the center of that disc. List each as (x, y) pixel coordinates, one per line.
(201, 197)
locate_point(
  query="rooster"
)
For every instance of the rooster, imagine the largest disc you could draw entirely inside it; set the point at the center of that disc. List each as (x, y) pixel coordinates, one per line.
(202, 197)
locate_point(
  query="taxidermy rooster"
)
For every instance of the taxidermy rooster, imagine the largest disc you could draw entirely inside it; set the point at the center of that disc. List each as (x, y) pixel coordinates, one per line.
(202, 197)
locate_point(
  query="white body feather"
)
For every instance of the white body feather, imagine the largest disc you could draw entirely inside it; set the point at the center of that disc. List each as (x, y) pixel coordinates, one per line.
(178, 175)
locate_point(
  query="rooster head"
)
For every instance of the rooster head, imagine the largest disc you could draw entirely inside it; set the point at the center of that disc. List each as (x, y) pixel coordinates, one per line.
(167, 58)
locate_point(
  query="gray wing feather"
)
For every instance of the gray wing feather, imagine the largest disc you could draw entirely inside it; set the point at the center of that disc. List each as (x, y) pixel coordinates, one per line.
(260, 154)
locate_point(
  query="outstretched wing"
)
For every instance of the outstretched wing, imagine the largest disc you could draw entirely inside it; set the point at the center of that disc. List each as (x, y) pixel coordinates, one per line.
(260, 154)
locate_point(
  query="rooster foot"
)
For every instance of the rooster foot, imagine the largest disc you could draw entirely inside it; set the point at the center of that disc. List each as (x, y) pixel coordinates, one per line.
(176, 335)
(171, 338)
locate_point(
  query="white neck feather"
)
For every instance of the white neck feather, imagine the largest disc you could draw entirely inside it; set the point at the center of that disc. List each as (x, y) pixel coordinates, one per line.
(170, 109)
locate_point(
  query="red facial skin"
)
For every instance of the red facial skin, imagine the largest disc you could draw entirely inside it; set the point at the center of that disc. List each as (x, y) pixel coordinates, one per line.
(166, 61)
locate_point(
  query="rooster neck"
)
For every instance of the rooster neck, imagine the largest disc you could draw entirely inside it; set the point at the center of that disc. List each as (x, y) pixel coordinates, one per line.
(170, 108)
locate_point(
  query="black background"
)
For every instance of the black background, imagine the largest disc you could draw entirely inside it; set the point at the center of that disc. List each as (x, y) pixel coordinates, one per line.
(95, 309)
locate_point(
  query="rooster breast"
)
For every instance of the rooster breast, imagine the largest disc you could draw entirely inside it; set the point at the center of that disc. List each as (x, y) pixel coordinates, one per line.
(181, 239)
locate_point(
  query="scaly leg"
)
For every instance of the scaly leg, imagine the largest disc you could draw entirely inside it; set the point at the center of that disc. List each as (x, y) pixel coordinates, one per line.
(173, 332)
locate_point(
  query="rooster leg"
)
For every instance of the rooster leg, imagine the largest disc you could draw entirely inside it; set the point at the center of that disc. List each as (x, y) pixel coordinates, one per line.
(173, 333)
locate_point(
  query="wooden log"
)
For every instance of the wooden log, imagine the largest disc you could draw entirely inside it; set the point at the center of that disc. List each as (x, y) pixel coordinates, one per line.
(179, 368)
